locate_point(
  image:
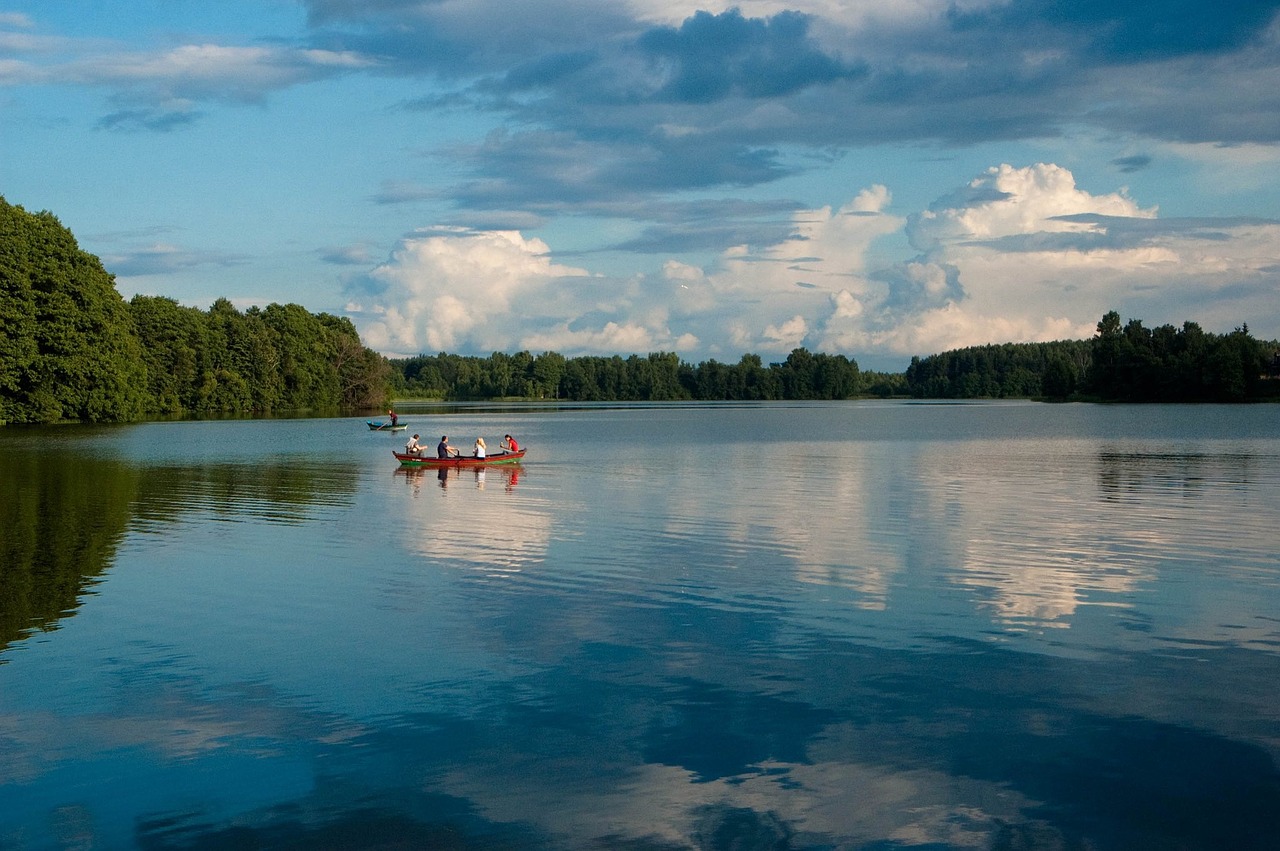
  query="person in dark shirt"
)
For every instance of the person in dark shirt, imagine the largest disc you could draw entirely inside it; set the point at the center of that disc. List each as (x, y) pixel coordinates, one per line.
(443, 449)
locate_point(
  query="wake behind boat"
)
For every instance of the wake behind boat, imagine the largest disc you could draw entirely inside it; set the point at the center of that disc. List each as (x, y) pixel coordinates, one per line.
(408, 459)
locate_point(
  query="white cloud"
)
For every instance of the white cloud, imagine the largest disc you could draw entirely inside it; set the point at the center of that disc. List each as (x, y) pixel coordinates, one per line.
(186, 72)
(1027, 274)
(771, 301)
(211, 70)
(1008, 200)
(629, 338)
(450, 290)
(788, 335)
(1017, 255)
(954, 326)
(674, 270)
(1024, 255)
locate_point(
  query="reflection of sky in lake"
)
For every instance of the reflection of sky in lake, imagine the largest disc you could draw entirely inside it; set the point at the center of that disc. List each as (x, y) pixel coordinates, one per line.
(788, 627)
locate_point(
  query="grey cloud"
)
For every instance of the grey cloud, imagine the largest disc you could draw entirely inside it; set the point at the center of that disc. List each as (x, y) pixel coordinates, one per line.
(162, 260)
(1131, 164)
(677, 239)
(616, 108)
(549, 70)
(1134, 30)
(152, 120)
(532, 167)
(908, 293)
(1120, 233)
(461, 41)
(712, 57)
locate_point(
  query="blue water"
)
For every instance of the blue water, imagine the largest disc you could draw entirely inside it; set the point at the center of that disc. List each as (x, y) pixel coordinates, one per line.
(851, 625)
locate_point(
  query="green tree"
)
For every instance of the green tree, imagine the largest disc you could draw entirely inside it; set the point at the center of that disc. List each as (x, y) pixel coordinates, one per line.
(305, 355)
(70, 350)
(1059, 380)
(548, 368)
(172, 339)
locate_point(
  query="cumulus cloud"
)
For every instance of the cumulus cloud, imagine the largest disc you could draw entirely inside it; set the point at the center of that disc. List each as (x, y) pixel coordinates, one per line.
(1019, 254)
(1009, 201)
(457, 290)
(778, 297)
(1023, 254)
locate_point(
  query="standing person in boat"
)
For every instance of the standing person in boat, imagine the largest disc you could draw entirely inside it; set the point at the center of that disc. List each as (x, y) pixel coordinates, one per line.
(413, 447)
(443, 449)
(509, 444)
(479, 447)
(394, 418)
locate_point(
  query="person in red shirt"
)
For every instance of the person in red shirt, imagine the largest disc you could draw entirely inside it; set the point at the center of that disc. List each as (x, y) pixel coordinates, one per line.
(509, 444)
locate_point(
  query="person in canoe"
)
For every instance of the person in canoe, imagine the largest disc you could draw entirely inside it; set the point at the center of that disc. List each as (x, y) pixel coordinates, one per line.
(443, 449)
(413, 447)
(480, 450)
(509, 444)
(394, 418)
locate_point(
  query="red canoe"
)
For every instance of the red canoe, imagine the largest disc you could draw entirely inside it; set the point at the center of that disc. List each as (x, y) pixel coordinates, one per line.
(407, 460)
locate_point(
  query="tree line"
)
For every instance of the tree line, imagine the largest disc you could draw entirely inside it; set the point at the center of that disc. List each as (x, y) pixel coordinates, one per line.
(658, 377)
(1129, 363)
(71, 348)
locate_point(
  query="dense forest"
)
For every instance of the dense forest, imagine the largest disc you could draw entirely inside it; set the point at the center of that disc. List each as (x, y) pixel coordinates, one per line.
(71, 348)
(660, 376)
(1129, 363)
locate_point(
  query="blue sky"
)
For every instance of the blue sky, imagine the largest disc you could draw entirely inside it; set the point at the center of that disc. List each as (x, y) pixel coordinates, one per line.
(880, 179)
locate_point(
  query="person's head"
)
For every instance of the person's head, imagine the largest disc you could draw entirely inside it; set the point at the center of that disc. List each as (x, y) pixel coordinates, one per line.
(479, 441)
(507, 436)
(444, 438)
(415, 437)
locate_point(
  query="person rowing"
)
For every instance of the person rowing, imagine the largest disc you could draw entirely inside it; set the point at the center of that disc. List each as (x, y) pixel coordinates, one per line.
(443, 449)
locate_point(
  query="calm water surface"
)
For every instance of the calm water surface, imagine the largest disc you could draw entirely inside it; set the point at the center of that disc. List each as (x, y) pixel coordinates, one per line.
(846, 626)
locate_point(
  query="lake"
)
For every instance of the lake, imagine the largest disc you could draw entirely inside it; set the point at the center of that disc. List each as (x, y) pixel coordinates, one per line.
(862, 625)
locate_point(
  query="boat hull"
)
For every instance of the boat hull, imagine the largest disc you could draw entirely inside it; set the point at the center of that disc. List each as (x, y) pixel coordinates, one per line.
(407, 460)
(386, 426)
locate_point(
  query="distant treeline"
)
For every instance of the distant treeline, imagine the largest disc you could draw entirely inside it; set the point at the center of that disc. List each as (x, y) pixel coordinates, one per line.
(71, 348)
(1130, 363)
(661, 376)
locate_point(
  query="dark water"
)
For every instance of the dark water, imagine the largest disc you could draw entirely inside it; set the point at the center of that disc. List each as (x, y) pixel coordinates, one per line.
(853, 626)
